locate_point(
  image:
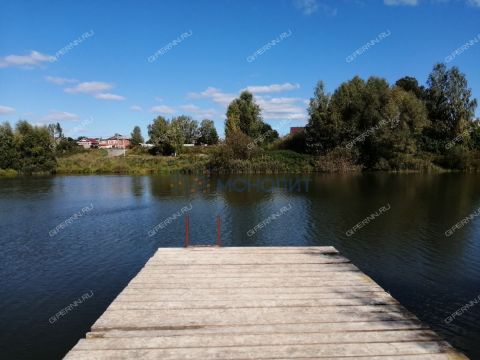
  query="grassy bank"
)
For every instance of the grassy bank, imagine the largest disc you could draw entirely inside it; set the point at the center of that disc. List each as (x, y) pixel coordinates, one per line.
(202, 159)
(98, 162)
(266, 162)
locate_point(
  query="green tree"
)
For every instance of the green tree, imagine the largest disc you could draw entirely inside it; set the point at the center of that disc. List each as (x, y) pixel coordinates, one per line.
(376, 120)
(176, 135)
(409, 83)
(8, 153)
(208, 133)
(411, 118)
(244, 114)
(136, 136)
(59, 131)
(158, 133)
(344, 121)
(450, 106)
(319, 133)
(67, 146)
(187, 127)
(35, 148)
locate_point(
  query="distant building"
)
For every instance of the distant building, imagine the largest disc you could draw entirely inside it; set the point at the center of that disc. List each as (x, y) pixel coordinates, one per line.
(115, 142)
(296, 130)
(88, 143)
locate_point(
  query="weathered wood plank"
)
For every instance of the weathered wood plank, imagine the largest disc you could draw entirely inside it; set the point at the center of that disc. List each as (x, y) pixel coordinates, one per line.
(257, 268)
(204, 317)
(257, 303)
(269, 329)
(268, 352)
(251, 249)
(322, 291)
(221, 340)
(124, 302)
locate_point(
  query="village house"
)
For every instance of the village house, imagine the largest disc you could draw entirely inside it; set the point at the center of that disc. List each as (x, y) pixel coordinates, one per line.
(115, 142)
(296, 130)
(88, 143)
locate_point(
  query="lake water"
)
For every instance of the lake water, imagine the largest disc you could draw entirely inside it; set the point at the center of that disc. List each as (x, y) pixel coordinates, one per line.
(82, 238)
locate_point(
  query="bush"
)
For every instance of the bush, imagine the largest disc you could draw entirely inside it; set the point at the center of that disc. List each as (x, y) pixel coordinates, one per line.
(242, 146)
(295, 142)
(457, 158)
(338, 160)
(8, 173)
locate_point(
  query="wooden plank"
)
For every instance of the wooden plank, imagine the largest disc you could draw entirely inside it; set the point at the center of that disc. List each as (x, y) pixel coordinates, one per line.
(268, 352)
(217, 276)
(325, 291)
(200, 303)
(250, 250)
(257, 268)
(257, 303)
(222, 340)
(207, 317)
(270, 328)
(172, 305)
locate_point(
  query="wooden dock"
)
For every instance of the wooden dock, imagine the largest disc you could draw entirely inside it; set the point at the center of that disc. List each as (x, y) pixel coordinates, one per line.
(257, 303)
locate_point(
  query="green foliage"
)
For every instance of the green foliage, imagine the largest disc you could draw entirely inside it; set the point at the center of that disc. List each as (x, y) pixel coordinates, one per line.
(8, 173)
(296, 142)
(240, 145)
(449, 104)
(208, 133)
(158, 133)
(410, 84)
(186, 127)
(319, 132)
(35, 149)
(337, 160)
(136, 136)
(68, 146)
(168, 137)
(244, 115)
(8, 153)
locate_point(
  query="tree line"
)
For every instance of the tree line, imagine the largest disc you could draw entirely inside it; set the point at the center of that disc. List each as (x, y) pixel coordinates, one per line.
(370, 124)
(27, 148)
(364, 124)
(169, 136)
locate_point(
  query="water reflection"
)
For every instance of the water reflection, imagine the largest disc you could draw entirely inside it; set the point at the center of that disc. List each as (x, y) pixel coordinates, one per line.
(404, 249)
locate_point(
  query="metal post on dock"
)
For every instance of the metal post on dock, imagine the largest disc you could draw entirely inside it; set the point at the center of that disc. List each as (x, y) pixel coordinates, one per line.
(187, 228)
(219, 224)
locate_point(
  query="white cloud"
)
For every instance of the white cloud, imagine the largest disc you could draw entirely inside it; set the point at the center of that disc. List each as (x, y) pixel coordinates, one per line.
(273, 88)
(276, 108)
(400, 2)
(54, 115)
(215, 94)
(308, 7)
(59, 80)
(108, 96)
(33, 59)
(194, 109)
(4, 110)
(136, 108)
(162, 109)
(89, 87)
(284, 108)
(474, 3)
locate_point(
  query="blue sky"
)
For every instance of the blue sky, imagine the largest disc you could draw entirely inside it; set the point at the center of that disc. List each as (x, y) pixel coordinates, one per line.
(203, 53)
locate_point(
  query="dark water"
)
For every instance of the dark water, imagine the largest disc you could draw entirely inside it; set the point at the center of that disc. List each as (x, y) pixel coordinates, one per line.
(404, 249)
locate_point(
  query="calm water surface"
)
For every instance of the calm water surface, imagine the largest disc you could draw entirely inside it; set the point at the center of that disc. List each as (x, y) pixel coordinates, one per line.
(98, 252)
